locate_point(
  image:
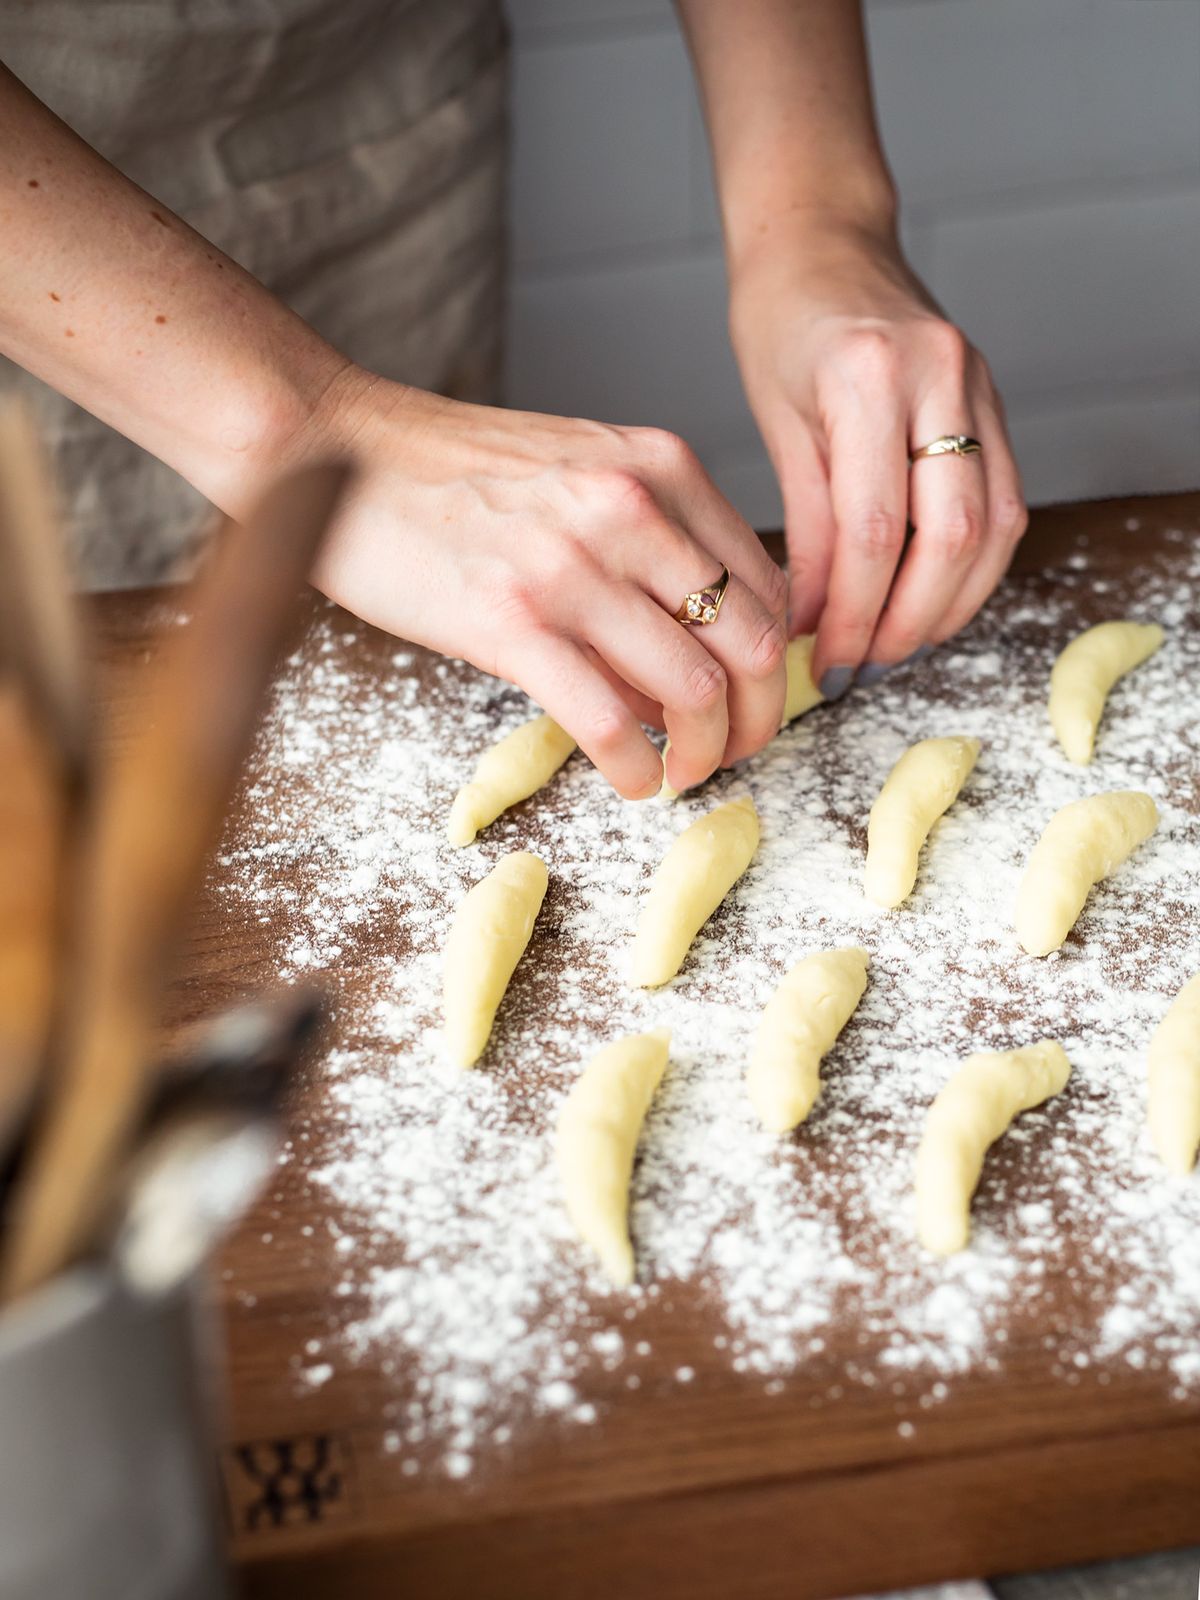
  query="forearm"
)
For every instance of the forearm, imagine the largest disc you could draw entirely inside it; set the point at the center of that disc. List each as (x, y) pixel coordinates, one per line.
(787, 99)
(110, 298)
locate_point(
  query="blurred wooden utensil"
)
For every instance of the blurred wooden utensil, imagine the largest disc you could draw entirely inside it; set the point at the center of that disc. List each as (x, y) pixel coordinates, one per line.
(44, 758)
(32, 822)
(156, 812)
(39, 633)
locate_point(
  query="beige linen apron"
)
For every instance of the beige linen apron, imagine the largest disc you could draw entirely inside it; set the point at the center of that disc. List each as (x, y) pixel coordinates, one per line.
(351, 155)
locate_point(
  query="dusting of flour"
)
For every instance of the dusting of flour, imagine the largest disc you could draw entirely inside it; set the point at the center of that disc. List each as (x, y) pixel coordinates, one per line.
(449, 1234)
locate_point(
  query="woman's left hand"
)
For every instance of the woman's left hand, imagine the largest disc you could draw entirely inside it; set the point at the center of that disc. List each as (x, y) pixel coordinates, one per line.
(849, 367)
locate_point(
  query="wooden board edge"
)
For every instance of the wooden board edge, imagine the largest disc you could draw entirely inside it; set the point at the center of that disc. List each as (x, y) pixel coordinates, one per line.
(809, 1538)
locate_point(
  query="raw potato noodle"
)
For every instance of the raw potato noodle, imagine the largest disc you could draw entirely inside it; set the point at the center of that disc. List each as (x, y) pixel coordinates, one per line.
(695, 875)
(921, 786)
(1173, 1110)
(801, 1021)
(802, 692)
(1083, 843)
(488, 937)
(802, 696)
(1084, 674)
(510, 771)
(598, 1132)
(970, 1113)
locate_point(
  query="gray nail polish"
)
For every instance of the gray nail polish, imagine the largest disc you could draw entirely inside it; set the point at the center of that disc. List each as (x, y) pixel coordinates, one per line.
(836, 681)
(874, 672)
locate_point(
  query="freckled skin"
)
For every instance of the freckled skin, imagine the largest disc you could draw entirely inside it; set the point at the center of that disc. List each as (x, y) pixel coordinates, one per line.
(160, 318)
(56, 297)
(34, 184)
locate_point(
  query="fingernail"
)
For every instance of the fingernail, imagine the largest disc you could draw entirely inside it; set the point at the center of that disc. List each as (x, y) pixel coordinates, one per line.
(835, 681)
(874, 671)
(917, 655)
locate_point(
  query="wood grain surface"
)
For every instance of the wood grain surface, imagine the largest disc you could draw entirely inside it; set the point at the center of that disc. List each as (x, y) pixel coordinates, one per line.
(712, 1489)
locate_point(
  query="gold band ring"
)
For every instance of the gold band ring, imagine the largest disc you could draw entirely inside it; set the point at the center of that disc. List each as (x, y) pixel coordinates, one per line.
(950, 444)
(701, 607)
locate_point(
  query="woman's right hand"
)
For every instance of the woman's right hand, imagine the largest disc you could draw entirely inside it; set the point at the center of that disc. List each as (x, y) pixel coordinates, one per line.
(554, 552)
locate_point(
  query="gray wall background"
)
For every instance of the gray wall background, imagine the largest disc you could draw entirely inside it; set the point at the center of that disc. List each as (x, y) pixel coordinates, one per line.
(1048, 158)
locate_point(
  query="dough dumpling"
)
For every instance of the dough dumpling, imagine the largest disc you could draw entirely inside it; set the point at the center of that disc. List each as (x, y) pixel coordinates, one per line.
(800, 1024)
(1084, 674)
(970, 1113)
(802, 692)
(920, 787)
(487, 938)
(598, 1131)
(695, 875)
(510, 771)
(1083, 843)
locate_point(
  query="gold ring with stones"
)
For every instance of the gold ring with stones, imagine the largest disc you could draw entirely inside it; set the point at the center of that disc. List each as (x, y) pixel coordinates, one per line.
(702, 606)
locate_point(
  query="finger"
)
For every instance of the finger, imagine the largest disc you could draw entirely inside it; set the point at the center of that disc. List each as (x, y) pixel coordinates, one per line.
(667, 663)
(810, 530)
(1007, 521)
(556, 673)
(747, 640)
(647, 711)
(687, 494)
(868, 483)
(948, 508)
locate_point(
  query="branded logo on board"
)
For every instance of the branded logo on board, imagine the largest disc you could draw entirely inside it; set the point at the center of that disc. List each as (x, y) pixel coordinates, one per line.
(280, 1483)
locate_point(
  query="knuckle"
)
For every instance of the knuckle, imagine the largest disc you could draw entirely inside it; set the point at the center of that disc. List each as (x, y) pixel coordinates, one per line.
(960, 532)
(768, 650)
(706, 684)
(622, 494)
(556, 562)
(1011, 519)
(879, 532)
(872, 354)
(666, 450)
(514, 602)
(607, 730)
(949, 344)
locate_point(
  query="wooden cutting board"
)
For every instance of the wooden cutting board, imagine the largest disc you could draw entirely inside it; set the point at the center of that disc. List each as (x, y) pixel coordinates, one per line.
(715, 1488)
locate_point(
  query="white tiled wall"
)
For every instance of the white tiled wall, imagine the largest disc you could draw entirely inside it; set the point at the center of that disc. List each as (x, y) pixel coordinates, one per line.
(1048, 156)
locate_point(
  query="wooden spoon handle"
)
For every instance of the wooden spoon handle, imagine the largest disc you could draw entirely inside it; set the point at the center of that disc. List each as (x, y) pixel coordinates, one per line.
(157, 813)
(39, 631)
(43, 761)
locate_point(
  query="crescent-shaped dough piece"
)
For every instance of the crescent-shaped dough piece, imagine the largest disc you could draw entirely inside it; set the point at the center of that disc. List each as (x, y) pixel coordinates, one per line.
(921, 786)
(802, 692)
(970, 1113)
(1084, 674)
(1083, 843)
(487, 938)
(801, 1021)
(510, 771)
(598, 1132)
(1174, 1105)
(695, 875)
